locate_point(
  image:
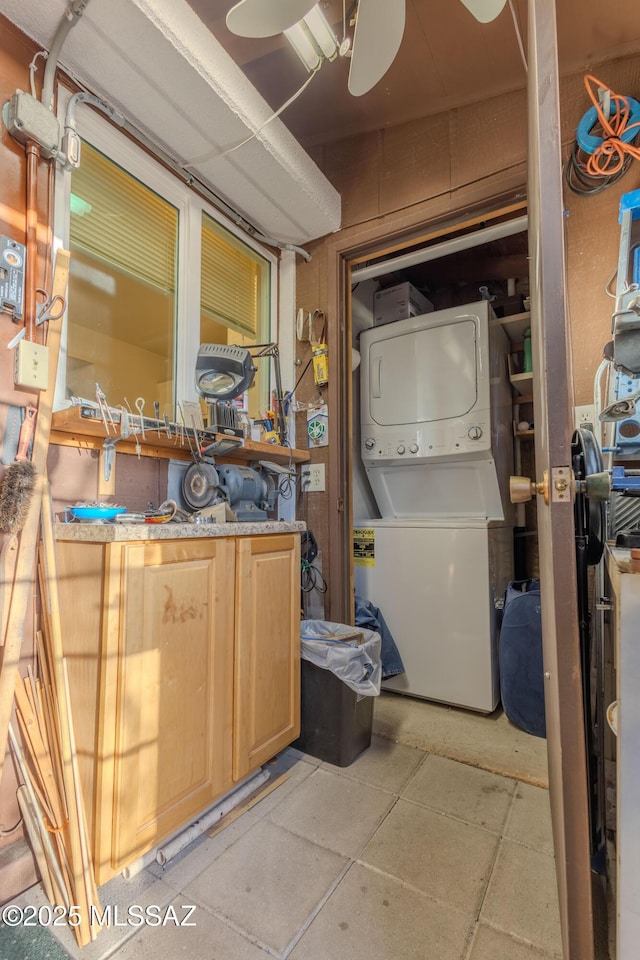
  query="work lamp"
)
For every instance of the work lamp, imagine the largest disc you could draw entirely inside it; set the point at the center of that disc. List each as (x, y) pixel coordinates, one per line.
(223, 371)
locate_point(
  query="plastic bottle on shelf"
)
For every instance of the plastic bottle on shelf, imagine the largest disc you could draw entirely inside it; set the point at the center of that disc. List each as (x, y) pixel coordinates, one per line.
(527, 364)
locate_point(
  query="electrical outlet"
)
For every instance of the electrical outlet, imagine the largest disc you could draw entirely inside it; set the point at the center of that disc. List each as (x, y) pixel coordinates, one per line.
(585, 416)
(313, 478)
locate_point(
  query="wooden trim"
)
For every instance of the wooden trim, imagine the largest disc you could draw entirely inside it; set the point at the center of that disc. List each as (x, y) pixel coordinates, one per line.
(444, 231)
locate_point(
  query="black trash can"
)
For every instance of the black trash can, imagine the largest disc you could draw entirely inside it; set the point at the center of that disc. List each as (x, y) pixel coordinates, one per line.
(335, 721)
(341, 671)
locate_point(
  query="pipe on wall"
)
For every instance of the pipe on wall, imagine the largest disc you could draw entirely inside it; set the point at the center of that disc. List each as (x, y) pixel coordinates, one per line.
(33, 156)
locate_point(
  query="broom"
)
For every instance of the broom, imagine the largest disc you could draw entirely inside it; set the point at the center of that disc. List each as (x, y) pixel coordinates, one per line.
(16, 490)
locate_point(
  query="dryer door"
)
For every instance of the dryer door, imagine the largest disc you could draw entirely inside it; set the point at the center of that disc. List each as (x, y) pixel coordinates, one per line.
(424, 375)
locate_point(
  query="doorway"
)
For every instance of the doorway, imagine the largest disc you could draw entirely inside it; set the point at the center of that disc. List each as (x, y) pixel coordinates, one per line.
(433, 276)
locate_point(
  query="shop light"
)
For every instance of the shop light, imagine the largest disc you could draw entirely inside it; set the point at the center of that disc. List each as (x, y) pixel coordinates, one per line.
(313, 39)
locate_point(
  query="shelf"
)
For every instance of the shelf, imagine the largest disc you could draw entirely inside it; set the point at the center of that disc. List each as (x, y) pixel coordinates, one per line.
(522, 384)
(523, 433)
(515, 326)
(79, 427)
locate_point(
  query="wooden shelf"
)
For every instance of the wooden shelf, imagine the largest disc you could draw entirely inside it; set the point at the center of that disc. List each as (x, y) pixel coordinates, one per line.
(71, 428)
(521, 383)
(515, 326)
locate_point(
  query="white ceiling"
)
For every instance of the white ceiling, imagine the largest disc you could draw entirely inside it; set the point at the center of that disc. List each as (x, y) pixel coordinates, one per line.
(156, 63)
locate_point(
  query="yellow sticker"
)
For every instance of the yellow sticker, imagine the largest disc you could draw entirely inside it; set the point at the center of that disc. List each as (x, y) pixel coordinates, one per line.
(364, 547)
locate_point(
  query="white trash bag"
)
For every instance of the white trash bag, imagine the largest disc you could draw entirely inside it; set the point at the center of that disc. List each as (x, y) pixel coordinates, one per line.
(359, 665)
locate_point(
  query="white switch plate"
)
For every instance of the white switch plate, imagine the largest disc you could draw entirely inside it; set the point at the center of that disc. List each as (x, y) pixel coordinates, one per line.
(313, 478)
(31, 365)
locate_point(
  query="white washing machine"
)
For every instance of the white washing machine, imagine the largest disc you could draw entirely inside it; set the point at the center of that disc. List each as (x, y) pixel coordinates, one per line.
(436, 443)
(437, 583)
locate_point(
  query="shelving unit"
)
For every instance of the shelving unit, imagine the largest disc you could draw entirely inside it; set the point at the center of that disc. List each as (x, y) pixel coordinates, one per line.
(522, 389)
(70, 428)
(515, 325)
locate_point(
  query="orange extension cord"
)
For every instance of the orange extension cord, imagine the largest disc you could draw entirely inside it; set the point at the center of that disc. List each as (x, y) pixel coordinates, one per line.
(609, 158)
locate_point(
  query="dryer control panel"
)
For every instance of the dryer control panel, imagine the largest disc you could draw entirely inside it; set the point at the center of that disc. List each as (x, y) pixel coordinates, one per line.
(464, 437)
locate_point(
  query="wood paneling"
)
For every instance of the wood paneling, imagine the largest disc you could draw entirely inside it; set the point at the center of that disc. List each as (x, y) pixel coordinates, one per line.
(414, 162)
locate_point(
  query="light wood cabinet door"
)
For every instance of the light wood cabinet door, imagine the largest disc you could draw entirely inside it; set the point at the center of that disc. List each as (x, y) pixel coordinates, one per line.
(267, 668)
(168, 690)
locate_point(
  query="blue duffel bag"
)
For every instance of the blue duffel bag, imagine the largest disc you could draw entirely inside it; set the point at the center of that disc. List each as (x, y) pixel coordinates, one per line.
(520, 657)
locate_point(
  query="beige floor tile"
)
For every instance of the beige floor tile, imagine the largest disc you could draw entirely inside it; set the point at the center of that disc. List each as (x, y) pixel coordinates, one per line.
(268, 883)
(459, 790)
(530, 819)
(522, 897)
(490, 944)
(195, 858)
(336, 812)
(385, 764)
(373, 917)
(448, 860)
(208, 938)
(490, 742)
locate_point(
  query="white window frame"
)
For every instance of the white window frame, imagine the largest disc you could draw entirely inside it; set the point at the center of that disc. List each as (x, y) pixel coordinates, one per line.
(106, 138)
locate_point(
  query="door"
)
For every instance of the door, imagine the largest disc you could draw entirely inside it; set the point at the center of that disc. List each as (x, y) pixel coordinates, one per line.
(554, 417)
(267, 666)
(172, 710)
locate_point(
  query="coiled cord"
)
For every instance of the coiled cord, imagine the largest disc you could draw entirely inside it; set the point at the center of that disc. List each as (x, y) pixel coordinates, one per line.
(590, 172)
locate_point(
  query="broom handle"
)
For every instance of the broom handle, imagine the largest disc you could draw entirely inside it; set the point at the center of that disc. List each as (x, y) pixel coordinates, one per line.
(27, 547)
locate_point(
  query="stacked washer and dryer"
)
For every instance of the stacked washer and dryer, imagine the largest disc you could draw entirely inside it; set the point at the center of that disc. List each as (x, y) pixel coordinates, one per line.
(436, 443)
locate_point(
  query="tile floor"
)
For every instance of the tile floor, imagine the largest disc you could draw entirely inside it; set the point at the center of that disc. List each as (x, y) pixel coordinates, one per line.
(404, 854)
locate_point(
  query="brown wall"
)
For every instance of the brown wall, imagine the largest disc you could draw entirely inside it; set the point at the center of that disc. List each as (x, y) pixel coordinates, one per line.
(444, 165)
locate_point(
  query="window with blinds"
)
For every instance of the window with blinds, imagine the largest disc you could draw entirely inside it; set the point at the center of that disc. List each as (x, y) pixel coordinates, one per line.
(135, 234)
(123, 222)
(234, 300)
(234, 281)
(122, 286)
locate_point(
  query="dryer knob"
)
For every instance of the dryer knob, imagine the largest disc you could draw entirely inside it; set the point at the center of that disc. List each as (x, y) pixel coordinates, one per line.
(401, 449)
(369, 443)
(413, 448)
(474, 433)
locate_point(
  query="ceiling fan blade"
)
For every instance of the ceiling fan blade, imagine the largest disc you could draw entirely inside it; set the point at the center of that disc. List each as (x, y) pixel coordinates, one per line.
(266, 18)
(484, 10)
(376, 40)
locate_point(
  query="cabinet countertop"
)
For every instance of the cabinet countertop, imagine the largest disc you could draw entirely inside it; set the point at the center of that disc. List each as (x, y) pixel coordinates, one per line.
(115, 532)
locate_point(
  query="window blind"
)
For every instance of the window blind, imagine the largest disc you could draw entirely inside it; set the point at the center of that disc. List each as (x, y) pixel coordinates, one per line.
(123, 222)
(232, 282)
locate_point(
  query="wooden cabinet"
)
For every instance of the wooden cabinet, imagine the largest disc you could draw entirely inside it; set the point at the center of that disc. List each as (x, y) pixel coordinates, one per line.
(267, 663)
(184, 672)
